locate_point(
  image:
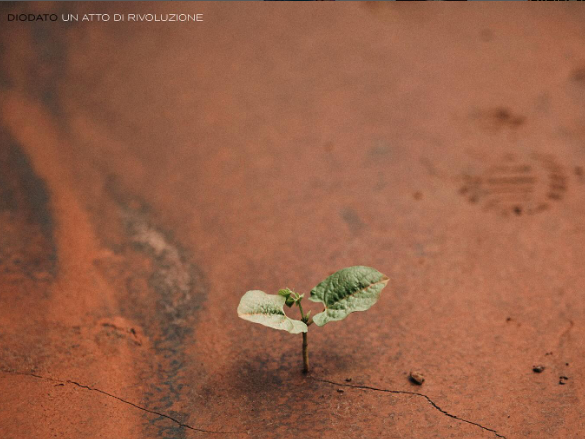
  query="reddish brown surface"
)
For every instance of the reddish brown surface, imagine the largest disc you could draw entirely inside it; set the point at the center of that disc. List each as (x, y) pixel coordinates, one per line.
(150, 174)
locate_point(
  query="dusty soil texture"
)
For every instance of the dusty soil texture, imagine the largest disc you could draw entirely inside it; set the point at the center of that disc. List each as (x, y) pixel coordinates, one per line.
(151, 173)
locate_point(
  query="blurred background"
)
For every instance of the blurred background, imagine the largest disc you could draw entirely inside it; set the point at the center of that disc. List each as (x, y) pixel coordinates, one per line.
(151, 173)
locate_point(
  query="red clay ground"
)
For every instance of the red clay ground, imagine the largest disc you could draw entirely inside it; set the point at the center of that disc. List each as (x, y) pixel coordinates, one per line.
(150, 174)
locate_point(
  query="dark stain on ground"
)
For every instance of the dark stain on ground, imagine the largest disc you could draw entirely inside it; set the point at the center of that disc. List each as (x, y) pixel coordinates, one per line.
(5, 6)
(352, 219)
(497, 119)
(4, 80)
(264, 373)
(49, 70)
(579, 174)
(505, 117)
(380, 151)
(27, 242)
(48, 49)
(579, 75)
(161, 289)
(261, 371)
(180, 291)
(275, 389)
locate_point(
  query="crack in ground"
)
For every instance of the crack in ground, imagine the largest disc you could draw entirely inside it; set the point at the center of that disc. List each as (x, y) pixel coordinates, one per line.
(83, 386)
(406, 392)
(183, 425)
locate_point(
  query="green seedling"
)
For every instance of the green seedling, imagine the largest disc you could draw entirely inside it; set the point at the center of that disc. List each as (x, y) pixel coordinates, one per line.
(349, 290)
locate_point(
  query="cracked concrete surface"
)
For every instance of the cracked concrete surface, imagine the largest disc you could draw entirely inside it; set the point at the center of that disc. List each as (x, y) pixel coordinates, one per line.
(151, 174)
(403, 392)
(93, 389)
(182, 425)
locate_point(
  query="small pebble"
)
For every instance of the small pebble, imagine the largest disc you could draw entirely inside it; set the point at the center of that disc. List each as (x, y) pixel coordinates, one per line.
(537, 369)
(562, 380)
(416, 377)
(348, 380)
(340, 390)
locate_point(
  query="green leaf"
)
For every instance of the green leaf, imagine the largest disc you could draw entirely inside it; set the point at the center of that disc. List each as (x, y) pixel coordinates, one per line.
(286, 293)
(268, 310)
(349, 290)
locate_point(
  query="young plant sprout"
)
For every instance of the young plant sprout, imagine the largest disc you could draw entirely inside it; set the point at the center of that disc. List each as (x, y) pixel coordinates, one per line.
(349, 290)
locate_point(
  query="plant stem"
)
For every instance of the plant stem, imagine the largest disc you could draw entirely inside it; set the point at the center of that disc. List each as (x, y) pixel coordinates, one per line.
(305, 354)
(303, 318)
(305, 343)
